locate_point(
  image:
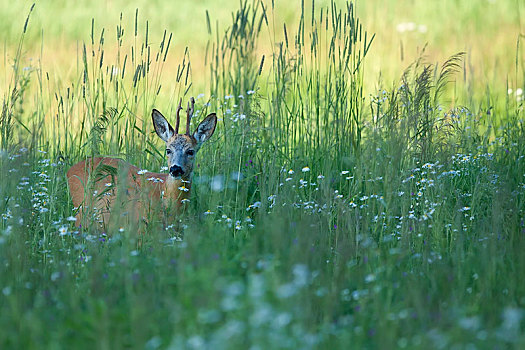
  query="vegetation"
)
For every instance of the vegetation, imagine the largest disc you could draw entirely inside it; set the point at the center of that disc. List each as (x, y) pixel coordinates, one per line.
(322, 215)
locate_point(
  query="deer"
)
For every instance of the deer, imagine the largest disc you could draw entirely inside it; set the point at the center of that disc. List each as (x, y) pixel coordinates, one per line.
(107, 185)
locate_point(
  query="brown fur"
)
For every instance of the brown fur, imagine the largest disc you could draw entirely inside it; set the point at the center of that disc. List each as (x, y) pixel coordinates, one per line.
(142, 195)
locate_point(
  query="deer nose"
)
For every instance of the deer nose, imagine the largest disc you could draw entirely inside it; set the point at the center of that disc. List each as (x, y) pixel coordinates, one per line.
(176, 171)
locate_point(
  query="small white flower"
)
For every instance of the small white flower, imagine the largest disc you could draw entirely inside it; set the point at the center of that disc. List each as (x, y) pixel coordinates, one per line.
(142, 172)
(108, 184)
(62, 231)
(344, 172)
(71, 218)
(290, 171)
(320, 176)
(185, 200)
(305, 169)
(183, 188)
(250, 92)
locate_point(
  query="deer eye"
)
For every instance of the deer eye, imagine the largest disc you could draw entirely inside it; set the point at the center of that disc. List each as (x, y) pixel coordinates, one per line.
(190, 152)
(168, 151)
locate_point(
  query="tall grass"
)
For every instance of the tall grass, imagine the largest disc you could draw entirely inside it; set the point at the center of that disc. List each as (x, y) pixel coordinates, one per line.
(319, 218)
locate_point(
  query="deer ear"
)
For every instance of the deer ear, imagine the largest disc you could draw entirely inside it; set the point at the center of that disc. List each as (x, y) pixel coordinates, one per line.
(162, 127)
(205, 129)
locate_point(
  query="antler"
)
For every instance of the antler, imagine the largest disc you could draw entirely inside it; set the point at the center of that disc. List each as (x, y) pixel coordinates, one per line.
(189, 114)
(179, 108)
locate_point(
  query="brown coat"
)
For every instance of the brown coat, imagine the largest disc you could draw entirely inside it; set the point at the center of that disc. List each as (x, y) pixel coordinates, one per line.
(97, 190)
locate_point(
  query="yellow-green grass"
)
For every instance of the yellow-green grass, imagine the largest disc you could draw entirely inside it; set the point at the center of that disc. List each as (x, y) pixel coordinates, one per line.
(486, 30)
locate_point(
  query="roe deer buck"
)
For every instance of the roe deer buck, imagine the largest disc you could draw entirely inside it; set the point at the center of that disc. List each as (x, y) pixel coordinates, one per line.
(99, 183)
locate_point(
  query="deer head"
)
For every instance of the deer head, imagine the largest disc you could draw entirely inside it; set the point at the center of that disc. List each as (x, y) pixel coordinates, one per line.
(181, 148)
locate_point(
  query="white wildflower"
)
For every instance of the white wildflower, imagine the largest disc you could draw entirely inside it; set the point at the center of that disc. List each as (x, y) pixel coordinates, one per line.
(155, 179)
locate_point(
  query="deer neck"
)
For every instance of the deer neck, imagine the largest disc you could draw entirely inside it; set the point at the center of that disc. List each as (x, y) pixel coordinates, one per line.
(176, 192)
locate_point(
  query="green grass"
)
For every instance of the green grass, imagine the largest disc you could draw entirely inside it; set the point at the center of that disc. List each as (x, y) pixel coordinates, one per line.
(320, 217)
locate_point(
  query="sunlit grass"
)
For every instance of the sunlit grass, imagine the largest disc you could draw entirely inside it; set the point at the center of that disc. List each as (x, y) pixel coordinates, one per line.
(324, 213)
(486, 30)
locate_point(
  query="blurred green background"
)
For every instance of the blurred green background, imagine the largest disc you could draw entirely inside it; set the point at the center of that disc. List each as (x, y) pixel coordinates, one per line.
(488, 30)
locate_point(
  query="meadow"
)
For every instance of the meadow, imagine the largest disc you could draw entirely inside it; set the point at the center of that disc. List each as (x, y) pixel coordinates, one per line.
(364, 188)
